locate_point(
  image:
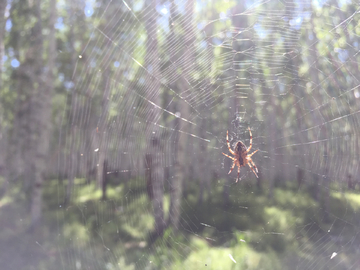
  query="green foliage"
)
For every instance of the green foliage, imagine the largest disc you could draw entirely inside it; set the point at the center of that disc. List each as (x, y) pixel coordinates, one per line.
(239, 257)
(253, 231)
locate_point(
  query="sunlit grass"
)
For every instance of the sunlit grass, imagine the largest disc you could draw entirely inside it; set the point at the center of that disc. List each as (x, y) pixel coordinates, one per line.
(87, 192)
(293, 200)
(137, 219)
(241, 256)
(77, 233)
(353, 199)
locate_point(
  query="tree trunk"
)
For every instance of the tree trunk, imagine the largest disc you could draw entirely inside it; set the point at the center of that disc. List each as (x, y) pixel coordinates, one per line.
(71, 165)
(2, 34)
(43, 86)
(271, 131)
(154, 151)
(73, 104)
(315, 82)
(326, 179)
(4, 170)
(104, 180)
(182, 160)
(101, 131)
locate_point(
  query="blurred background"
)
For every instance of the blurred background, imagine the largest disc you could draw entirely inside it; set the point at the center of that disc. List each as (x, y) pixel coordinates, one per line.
(113, 121)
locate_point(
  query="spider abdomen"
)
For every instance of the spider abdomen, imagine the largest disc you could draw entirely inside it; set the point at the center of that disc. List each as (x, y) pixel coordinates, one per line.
(240, 151)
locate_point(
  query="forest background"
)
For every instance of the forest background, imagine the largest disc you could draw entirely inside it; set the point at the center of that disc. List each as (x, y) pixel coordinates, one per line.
(113, 122)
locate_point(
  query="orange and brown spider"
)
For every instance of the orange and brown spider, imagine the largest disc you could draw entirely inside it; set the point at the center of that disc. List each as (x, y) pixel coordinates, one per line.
(241, 155)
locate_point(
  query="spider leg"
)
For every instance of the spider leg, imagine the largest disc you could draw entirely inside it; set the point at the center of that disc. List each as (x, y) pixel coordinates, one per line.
(253, 171)
(253, 153)
(227, 141)
(253, 164)
(228, 156)
(247, 151)
(232, 167)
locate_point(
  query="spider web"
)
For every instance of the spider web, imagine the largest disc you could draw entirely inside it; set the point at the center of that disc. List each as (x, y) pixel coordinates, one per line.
(282, 68)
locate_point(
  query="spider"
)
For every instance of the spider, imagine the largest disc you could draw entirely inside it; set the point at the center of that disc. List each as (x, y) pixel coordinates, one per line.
(241, 157)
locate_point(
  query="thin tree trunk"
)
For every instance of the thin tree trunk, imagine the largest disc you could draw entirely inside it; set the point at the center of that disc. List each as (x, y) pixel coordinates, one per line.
(271, 128)
(181, 163)
(154, 152)
(102, 134)
(326, 179)
(203, 173)
(43, 93)
(72, 103)
(292, 64)
(270, 131)
(2, 34)
(71, 165)
(3, 141)
(314, 73)
(182, 160)
(104, 180)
